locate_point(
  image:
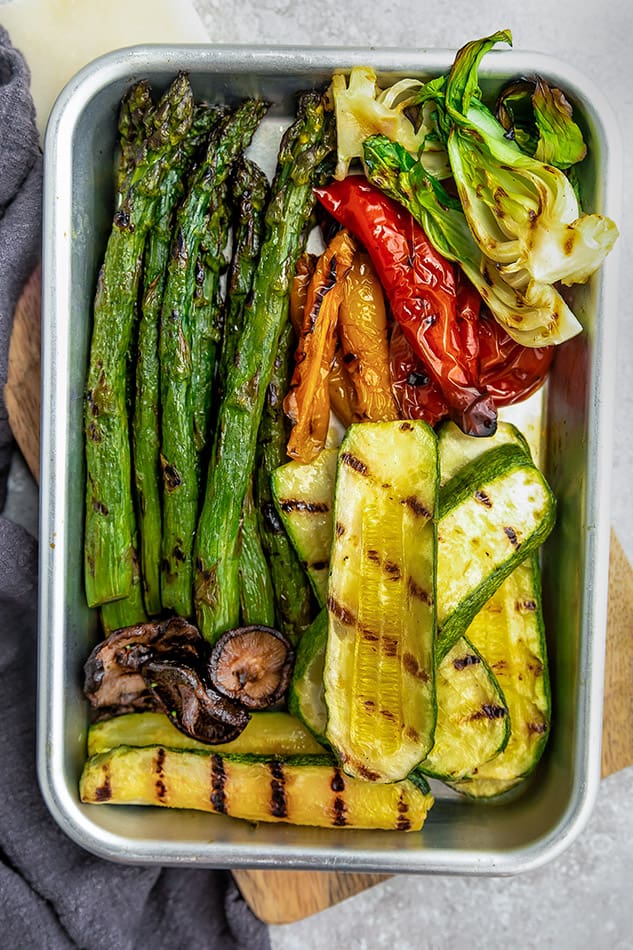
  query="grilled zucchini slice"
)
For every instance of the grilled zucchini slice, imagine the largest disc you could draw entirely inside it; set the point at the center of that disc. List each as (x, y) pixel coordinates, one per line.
(456, 448)
(509, 632)
(473, 725)
(303, 495)
(379, 664)
(306, 696)
(301, 790)
(493, 513)
(472, 717)
(266, 733)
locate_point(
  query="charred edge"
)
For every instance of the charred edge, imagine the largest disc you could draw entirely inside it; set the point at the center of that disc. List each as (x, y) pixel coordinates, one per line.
(94, 433)
(416, 506)
(366, 773)
(278, 802)
(338, 782)
(341, 613)
(537, 727)
(406, 427)
(412, 666)
(123, 222)
(171, 477)
(218, 783)
(103, 792)
(403, 823)
(179, 244)
(354, 462)
(339, 808)
(327, 285)
(483, 498)
(392, 570)
(272, 521)
(319, 565)
(529, 605)
(310, 507)
(417, 379)
(161, 788)
(489, 711)
(468, 660)
(511, 535)
(390, 646)
(418, 592)
(339, 529)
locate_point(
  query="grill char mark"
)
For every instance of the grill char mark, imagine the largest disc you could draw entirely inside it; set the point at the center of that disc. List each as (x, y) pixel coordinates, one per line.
(218, 783)
(161, 788)
(278, 801)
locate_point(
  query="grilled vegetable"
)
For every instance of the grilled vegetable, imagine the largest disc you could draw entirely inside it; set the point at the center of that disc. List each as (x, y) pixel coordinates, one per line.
(183, 690)
(509, 631)
(300, 790)
(379, 670)
(364, 352)
(178, 346)
(304, 496)
(307, 403)
(269, 733)
(456, 449)
(306, 696)
(257, 597)
(252, 665)
(303, 148)
(112, 679)
(493, 513)
(420, 287)
(523, 213)
(110, 529)
(146, 414)
(292, 593)
(473, 725)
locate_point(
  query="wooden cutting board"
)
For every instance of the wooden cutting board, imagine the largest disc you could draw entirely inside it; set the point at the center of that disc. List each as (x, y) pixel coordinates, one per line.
(278, 897)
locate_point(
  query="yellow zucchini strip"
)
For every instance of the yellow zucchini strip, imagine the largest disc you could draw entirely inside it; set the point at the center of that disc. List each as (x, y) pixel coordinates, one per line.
(297, 790)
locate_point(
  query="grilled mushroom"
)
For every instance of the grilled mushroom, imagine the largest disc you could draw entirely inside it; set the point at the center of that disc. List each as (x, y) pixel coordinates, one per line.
(112, 684)
(252, 665)
(193, 706)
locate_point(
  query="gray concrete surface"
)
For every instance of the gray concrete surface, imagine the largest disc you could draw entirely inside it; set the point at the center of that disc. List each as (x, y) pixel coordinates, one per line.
(583, 898)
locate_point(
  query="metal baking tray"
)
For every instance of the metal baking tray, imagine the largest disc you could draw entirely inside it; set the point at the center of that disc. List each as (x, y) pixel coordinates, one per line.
(572, 421)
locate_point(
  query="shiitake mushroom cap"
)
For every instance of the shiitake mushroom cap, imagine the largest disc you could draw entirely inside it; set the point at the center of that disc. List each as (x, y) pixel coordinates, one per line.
(252, 665)
(193, 706)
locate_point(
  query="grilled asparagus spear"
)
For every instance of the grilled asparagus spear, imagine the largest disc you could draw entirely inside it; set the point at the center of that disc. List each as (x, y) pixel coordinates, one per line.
(146, 416)
(302, 151)
(110, 528)
(293, 592)
(179, 454)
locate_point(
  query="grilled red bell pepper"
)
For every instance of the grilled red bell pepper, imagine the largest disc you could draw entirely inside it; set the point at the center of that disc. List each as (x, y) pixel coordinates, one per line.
(420, 287)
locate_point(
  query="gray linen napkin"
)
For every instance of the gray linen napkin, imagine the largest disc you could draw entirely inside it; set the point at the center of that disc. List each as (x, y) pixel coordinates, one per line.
(53, 894)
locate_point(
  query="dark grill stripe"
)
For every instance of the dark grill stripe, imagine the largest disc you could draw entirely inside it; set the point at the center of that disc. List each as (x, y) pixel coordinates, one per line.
(218, 782)
(299, 504)
(161, 788)
(278, 803)
(354, 462)
(103, 792)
